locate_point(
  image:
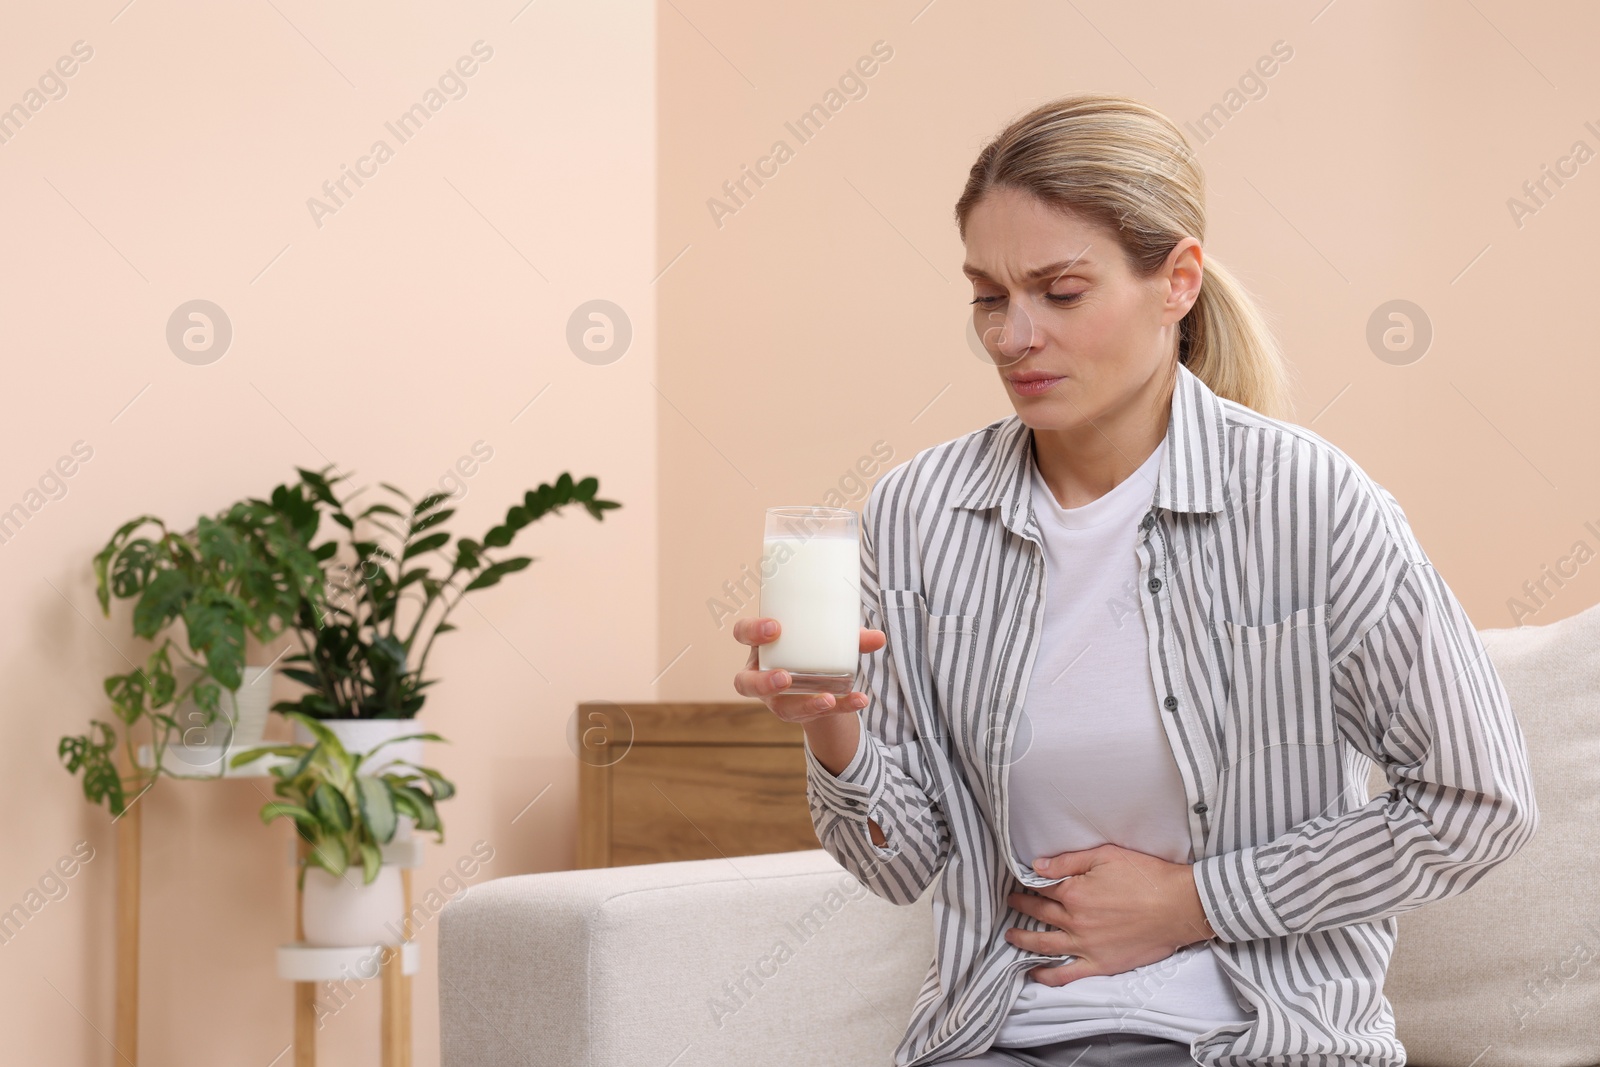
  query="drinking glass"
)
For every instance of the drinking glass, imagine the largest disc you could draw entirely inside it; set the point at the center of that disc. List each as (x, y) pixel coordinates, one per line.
(811, 584)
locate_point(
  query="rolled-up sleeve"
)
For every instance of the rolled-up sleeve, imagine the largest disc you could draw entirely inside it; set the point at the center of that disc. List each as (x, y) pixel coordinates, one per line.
(889, 780)
(1417, 694)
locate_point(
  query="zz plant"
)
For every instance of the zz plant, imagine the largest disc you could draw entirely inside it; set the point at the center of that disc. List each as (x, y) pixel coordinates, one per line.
(358, 660)
(346, 816)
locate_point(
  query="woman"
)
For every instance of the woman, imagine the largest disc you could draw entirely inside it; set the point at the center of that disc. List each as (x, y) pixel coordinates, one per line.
(1140, 800)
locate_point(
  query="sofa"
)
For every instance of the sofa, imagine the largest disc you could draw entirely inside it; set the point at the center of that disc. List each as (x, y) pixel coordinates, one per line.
(785, 959)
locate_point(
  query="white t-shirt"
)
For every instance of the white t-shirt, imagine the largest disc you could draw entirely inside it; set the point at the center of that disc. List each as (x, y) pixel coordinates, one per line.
(1091, 764)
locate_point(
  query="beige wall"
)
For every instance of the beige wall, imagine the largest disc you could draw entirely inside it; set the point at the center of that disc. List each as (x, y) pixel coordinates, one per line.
(808, 341)
(416, 321)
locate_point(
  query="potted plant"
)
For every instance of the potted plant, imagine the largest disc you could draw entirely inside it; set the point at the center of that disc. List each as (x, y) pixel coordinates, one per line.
(362, 665)
(248, 570)
(346, 814)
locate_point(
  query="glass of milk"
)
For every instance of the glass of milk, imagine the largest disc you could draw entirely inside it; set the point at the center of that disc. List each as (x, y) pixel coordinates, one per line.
(811, 583)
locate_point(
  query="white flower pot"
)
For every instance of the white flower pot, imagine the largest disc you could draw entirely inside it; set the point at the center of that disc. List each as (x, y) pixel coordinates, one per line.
(362, 735)
(241, 715)
(342, 912)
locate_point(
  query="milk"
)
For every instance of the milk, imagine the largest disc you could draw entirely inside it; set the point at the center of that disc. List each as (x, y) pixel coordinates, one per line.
(812, 586)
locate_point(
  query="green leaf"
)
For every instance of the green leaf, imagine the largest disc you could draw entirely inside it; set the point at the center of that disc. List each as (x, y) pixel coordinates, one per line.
(101, 781)
(495, 572)
(367, 756)
(72, 751)
(443, 788)
(430, 501)
(214, 619)
(329, 740)
(158, 676)
(134, 565)
(426, 544)
(381, 509)
(127, 693)
(409, 577)
(331, 807)
(389, 651)
(313, 706)
(92, 753)
(411, 801)
(432, 520)
(294, 770)
(102, 559)
(303, 818)
(250, 755)
(319, 486)
(162, 601)
(220, 543)
(377, 807)
(371, 861)
(329, 854)
(303, 677)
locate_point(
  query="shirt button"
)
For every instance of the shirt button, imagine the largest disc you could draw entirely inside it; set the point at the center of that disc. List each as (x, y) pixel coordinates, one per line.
(1200, 808)
(1155, 583)
(1149, 520)
(1171, 703)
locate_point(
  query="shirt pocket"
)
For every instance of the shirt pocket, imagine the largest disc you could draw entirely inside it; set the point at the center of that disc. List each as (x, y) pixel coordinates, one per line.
(1280, 685)
(934, 655)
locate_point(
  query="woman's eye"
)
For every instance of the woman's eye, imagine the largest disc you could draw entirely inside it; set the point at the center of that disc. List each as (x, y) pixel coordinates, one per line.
(1059, 298)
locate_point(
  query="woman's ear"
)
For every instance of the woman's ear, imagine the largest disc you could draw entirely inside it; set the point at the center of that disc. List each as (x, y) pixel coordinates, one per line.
(1183, 270)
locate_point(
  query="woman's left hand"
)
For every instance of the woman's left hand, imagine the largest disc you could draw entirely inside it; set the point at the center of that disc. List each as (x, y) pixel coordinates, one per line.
(1118, 910)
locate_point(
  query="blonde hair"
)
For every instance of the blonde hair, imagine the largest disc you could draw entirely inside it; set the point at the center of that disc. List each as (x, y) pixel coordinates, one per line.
(1120, 163)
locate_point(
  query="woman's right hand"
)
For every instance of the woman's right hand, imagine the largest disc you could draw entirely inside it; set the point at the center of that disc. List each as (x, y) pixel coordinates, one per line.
(768, 686)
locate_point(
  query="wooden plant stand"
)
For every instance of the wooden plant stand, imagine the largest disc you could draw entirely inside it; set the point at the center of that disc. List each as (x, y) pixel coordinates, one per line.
(303, 964)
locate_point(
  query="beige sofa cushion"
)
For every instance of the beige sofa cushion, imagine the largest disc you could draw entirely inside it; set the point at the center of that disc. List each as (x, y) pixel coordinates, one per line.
(1507, 974)
(777, 960)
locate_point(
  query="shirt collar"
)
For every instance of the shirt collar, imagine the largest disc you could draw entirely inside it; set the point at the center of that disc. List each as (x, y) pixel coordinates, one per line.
(1190, 478)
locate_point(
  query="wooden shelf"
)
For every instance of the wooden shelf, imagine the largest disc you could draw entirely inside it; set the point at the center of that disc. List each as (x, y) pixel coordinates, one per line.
(305, 965)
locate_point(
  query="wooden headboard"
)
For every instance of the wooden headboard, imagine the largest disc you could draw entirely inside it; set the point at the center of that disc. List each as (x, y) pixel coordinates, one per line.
(660, 782)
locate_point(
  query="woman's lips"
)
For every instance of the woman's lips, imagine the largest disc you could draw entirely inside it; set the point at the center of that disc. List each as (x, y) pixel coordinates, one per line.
(1035, 387)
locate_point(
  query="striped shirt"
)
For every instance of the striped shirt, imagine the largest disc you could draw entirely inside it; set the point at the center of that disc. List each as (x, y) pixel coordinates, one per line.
(1298, 634)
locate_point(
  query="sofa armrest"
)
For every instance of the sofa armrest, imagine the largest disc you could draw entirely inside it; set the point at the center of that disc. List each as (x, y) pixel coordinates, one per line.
(777, 959)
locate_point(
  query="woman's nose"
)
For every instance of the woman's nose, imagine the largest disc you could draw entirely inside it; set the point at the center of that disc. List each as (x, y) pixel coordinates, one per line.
(1017, 332)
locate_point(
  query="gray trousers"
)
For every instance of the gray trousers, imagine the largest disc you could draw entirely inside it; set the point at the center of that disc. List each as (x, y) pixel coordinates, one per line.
(1098, 1050)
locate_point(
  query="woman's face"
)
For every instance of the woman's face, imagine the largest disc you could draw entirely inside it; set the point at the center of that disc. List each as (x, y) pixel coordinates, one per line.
(1053, 294)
